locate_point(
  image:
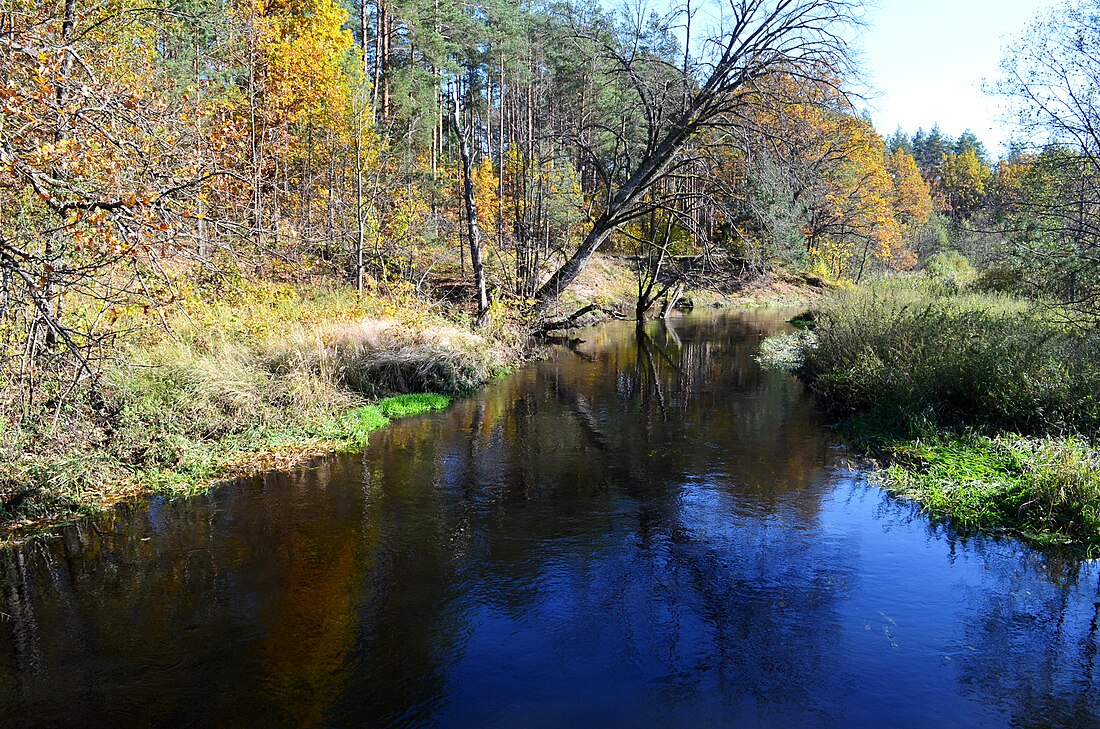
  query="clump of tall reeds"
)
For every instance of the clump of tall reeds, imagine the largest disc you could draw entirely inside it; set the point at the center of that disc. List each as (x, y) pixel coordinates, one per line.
(982, 407)
(974, 360)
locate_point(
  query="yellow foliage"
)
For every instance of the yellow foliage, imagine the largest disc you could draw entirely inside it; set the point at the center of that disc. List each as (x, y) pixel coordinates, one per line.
(304, 44)
(912, 199)
(964, 178)
(487, 194)
(860, 199)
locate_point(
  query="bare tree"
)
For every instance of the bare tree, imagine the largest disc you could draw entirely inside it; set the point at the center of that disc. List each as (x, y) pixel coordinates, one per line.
(749, 41)
(1052, 76)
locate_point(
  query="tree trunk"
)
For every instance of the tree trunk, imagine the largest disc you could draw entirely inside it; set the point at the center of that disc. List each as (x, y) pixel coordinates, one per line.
(672, 300)
(360, 222)
(472, 228)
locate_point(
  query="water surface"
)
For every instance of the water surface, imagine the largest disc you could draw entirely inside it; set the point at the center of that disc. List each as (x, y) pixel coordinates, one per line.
(635, 532)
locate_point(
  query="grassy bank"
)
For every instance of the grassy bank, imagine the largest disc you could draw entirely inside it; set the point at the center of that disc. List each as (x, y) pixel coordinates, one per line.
(236, 378)
(979, 406)
(262, 379)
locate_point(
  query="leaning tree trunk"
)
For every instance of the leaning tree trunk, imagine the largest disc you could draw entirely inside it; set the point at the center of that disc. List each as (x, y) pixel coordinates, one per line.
(622, 207)
(673, 299)
(472, 228)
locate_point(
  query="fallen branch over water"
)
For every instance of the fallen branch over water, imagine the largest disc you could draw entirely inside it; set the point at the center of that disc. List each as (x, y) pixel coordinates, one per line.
(570, 321)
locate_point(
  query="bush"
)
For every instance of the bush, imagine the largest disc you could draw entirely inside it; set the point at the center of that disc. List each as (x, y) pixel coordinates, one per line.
(785, 351)
(950, 267)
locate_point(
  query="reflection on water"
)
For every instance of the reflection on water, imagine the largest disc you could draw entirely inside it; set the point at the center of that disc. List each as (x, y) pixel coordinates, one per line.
(638, 530)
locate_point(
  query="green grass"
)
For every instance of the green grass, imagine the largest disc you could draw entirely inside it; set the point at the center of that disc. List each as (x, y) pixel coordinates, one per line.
(980, 407)
(1044, 489)
(351, 428)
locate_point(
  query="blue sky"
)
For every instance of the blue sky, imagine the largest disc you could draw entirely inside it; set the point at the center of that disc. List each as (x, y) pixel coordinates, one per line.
(926, 61)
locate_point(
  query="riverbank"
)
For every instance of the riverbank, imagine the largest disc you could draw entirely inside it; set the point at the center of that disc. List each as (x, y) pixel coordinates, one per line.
(980, 407)
(258, 378)
(610, 283)
(264, 376)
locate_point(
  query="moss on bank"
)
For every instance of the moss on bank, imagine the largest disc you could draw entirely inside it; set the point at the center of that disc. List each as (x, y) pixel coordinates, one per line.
(980, 407)
(352, 427)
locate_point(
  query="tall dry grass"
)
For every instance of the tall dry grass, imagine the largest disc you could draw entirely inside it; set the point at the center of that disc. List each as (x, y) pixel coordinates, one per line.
(233, 380)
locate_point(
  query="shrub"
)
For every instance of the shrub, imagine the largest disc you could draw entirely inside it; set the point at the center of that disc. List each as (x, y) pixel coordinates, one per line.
(950, 267)
(785, 351)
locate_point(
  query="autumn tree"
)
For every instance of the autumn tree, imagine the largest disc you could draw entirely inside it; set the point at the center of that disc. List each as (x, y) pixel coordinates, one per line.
(964, 179)
(813, 181)
(754, 40)
(855, 217)
(921, 228)
(912, 198)
(94, 182)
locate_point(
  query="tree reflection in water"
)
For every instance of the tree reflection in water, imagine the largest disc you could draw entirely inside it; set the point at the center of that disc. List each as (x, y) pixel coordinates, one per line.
(646, 528)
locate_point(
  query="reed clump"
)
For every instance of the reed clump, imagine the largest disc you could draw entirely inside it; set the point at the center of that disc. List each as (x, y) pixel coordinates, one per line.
(982, 407)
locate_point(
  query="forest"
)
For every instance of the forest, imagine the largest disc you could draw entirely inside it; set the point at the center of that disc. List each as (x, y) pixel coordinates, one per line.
(227, 227)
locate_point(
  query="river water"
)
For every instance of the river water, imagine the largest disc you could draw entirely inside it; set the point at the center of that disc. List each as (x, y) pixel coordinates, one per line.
(637, 531)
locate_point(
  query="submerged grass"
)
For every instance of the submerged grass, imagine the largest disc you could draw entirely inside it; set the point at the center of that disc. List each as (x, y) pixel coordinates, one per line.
(980, 407)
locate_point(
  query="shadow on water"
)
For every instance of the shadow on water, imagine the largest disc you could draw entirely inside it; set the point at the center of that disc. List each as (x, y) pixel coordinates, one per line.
(645, 528)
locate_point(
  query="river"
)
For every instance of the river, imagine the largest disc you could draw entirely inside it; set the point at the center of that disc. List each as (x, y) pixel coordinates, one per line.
(633, 532)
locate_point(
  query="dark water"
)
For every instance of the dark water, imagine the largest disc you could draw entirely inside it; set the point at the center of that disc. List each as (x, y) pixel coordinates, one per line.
(631, 534)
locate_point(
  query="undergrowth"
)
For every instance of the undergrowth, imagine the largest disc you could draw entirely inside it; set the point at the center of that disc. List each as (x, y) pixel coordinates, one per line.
(981, 407)
(256, 383)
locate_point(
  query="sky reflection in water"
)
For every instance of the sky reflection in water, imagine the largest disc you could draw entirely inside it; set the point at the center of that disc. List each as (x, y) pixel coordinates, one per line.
(638, 531)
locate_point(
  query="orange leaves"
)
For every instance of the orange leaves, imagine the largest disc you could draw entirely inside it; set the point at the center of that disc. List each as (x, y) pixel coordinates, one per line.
(861, 195)
(88, 125)
(824, 173)
(912, 198)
